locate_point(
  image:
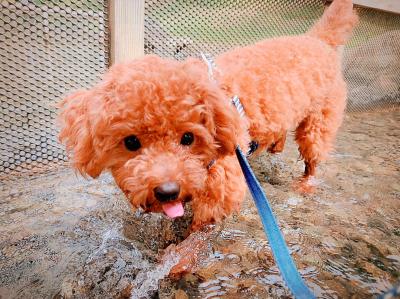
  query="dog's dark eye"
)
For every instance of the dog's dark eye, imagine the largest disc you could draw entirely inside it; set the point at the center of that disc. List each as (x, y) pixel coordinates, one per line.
(132, 143)
(187, 138)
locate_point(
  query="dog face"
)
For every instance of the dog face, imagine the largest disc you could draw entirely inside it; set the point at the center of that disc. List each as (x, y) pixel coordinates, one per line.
(156, 125)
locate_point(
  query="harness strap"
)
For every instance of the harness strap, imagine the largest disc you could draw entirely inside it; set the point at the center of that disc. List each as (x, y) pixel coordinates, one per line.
(211, 66)
(253, 145)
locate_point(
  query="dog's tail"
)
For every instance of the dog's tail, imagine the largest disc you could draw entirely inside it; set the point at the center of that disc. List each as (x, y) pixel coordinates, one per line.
(336, 24)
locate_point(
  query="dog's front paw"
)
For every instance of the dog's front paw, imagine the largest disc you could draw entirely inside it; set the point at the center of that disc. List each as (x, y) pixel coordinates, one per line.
(190, 252)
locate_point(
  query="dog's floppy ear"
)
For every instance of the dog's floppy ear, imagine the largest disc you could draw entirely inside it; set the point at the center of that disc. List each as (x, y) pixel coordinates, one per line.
(222, 119)
(229, 129)
(76, 133)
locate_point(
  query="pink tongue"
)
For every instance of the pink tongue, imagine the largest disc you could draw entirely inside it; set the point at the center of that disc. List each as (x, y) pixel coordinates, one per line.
(174, 209)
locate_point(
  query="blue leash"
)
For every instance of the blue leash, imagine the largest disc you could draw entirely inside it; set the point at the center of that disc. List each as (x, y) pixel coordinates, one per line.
(277, 243)
(392, 293)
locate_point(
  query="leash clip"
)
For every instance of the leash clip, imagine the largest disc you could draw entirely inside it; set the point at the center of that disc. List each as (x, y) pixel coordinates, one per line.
(209, 61)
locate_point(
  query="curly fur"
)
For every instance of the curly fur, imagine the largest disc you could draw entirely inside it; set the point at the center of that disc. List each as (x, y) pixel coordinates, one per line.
(284, 83)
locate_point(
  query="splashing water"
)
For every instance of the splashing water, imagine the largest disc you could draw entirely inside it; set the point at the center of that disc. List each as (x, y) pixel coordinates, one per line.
(114, 233)
(177, 259)
(148, 279)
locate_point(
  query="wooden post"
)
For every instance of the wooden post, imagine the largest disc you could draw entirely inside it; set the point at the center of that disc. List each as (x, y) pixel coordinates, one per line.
(126, 29)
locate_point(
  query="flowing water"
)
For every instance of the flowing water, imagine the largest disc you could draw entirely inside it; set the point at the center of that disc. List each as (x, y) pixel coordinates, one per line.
(62, 236)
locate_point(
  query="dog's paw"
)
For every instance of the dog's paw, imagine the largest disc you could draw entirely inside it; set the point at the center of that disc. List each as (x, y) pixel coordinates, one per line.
(190, 252)
(306, 185)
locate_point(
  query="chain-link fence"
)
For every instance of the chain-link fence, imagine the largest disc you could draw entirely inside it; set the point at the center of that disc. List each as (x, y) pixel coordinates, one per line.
(48, 48)
(51, 47)
(371, 61)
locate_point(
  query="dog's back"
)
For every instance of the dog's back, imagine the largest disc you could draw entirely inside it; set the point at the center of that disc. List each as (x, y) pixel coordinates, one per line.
(294, 83)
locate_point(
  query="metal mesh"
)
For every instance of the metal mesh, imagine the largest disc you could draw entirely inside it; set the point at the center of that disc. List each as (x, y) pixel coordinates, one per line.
(48, 48)
(51, 47)
(371, 61)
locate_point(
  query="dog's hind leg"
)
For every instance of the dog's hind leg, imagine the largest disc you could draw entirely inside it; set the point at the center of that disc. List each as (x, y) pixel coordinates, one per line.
(315, 135)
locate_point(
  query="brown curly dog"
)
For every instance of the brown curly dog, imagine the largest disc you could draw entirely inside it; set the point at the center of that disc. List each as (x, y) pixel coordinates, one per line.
(158, 124)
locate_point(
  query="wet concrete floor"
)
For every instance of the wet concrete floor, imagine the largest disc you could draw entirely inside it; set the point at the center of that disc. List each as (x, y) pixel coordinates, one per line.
(62, 236)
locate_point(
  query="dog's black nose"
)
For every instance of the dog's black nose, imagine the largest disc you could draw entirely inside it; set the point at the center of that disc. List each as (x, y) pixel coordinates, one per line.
(167, 191)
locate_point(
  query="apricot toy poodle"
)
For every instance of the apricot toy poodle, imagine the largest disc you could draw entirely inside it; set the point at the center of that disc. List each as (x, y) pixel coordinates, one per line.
(168, 133)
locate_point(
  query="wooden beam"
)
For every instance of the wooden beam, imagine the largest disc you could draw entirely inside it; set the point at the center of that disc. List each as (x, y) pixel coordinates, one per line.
(384, 5)
(126, 29)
